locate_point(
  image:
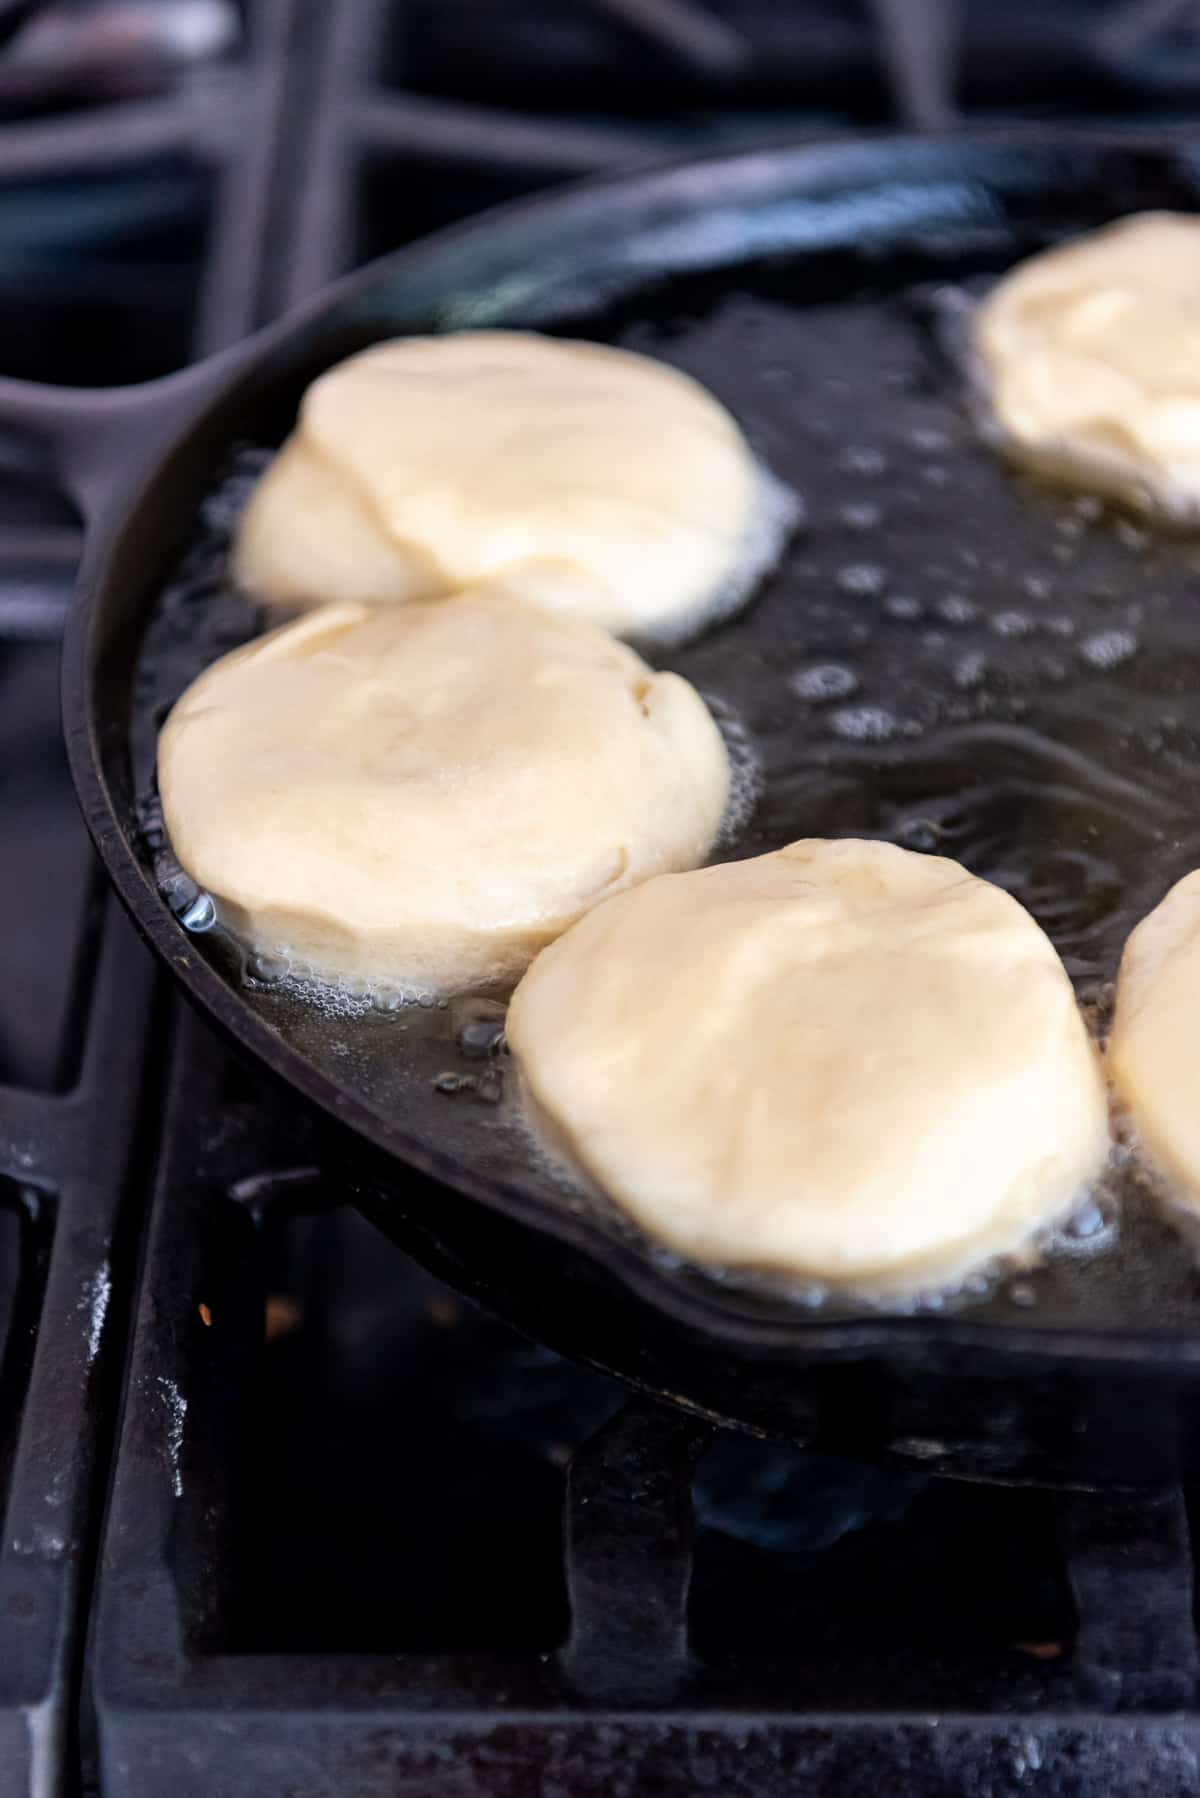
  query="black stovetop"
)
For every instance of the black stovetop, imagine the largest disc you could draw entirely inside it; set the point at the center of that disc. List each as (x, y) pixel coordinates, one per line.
(282, 1515)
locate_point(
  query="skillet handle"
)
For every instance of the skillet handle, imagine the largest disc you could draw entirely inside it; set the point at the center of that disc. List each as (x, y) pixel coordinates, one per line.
(91, 440)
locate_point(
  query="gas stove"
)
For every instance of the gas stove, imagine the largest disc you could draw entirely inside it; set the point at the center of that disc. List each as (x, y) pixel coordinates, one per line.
(283, 1515)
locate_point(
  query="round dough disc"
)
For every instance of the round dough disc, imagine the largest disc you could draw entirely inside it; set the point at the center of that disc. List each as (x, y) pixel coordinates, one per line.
(419, 798)
(1154, 1045)
(842, 1061)
(427, 464)
(1091, 354)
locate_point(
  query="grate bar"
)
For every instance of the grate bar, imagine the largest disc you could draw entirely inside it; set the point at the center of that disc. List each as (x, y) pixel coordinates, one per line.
(454, 132)
(917, 38)
(1129, 1560)
(691, 32)
(629, 1553)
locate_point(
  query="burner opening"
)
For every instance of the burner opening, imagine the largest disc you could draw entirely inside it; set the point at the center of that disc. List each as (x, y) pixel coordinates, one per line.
(405, 1460)
(902, 1581)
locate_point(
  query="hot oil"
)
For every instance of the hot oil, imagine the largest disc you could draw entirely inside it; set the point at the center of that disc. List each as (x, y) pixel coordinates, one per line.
(952, 656)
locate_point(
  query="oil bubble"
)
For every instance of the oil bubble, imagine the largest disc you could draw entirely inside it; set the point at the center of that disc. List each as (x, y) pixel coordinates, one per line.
(857, 459)
(922, 834)
(861, 580)
(969, 671)
(1012, 624)
(1108, 649)
(865, 724)
(200, 915)
(928, 441)
(956, 608)
(1087, 1223)
(478, 1027)
(864, 517)
(745, 768)
(904, 607)
(265, 970)
(824, 682)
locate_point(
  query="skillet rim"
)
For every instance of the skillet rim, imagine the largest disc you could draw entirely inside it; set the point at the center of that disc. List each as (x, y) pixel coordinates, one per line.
(202, 387)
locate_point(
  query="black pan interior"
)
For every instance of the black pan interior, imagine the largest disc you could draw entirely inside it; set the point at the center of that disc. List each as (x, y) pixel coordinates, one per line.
(951, 656)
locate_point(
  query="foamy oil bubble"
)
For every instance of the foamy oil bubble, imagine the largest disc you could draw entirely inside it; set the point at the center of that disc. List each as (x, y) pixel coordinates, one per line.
(967, 1288)
(221, 510)
(1108, 649)
(1012, 624)
(904, 608)
(776, 513)
(263, 970)
(1091, 1226)
(195, 909)
(746, 774)
(486, 1087)
(970, 671)
(332, 1000)
(276, 970)
(863, 460)
(200, 915)
(252, 967)
(478, 1025)
(865, 724)
(929, 440)
(861, 580)
(956, 609)
(820, 683)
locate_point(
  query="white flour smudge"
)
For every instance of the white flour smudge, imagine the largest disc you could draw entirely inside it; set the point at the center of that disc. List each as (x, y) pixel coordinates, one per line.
(176, 1406)
(97, 1291)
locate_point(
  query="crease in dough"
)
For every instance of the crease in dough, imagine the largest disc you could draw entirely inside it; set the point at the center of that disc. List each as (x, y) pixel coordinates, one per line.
(1091, 361)
(418, 798)
(615, 484)
(842, 1062)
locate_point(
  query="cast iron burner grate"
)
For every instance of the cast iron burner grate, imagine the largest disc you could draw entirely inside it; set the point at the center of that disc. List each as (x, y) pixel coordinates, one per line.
(361, 1542)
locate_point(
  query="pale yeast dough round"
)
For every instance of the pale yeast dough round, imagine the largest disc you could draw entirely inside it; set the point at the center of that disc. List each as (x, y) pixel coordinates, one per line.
(1154, 1045)
(843, 1061)
(421, 798)
(1092, 359)
(427, 464)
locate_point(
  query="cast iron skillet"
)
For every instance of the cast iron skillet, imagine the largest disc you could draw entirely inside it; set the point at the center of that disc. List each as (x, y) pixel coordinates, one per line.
(949, 656)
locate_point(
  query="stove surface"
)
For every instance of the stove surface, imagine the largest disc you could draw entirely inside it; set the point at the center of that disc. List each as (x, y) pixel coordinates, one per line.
(282, 1514)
